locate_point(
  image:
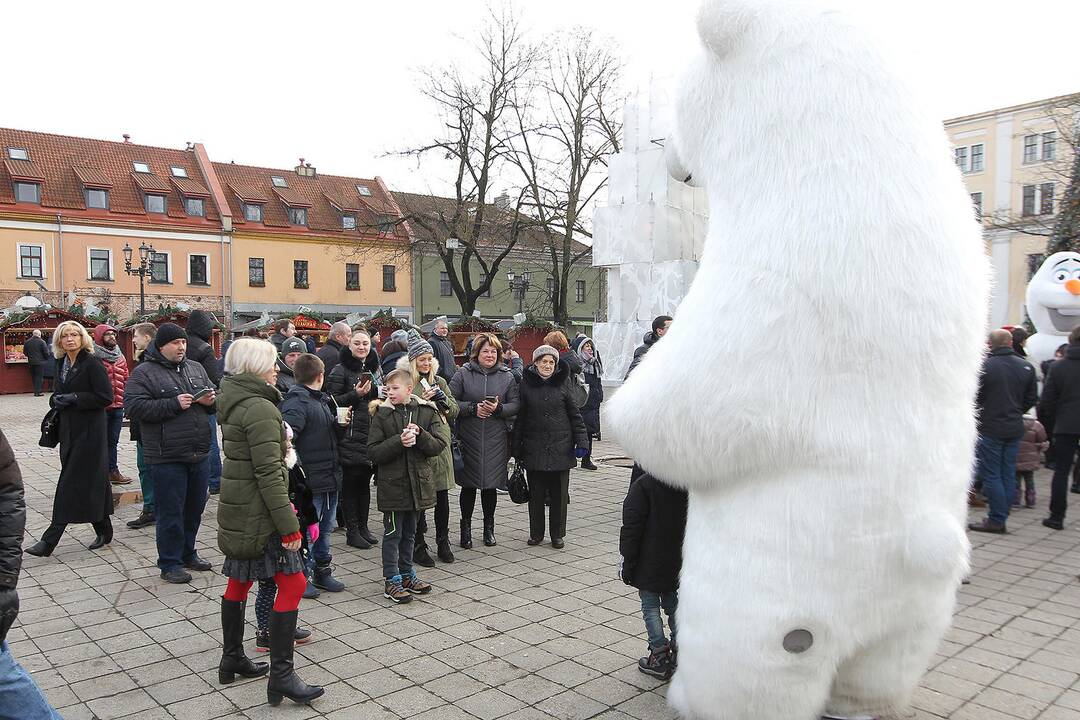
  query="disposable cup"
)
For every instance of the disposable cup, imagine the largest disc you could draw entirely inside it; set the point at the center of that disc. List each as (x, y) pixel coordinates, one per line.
(343, 415)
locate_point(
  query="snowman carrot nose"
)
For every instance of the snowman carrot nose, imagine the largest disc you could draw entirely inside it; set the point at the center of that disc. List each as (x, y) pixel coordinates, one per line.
(1073, 286)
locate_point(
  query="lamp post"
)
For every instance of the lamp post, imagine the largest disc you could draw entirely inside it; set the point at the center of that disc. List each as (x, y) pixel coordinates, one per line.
(518, 284)
(142, 270)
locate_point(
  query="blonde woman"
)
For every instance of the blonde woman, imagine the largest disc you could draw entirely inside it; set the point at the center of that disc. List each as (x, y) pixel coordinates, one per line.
(81, 393)
(424, 367)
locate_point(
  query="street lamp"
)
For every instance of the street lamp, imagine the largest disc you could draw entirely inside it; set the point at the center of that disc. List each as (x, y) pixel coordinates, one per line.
(144, 268)
(518, 284)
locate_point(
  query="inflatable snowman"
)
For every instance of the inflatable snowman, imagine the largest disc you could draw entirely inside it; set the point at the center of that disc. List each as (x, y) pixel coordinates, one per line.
(1053, 304)
(827, 453)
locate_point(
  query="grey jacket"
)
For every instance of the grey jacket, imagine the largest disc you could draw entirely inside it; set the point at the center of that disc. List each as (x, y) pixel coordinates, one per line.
(485, 447)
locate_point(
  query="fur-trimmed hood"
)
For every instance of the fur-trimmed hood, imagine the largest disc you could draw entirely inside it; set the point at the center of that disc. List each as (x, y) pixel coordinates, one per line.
(374, 405)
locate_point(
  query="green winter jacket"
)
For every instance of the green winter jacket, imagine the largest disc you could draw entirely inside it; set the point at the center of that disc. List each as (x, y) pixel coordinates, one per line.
(254, 500)
(404, 476)
(442, 467)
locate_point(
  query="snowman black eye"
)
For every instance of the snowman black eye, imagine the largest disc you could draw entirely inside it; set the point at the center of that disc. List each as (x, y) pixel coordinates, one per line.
(1061, 276)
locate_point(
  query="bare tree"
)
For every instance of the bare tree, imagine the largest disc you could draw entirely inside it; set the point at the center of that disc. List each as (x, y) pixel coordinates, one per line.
(562, 146)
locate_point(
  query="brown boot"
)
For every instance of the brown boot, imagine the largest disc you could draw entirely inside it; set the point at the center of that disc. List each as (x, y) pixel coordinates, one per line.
(116, 478)
(974, 500)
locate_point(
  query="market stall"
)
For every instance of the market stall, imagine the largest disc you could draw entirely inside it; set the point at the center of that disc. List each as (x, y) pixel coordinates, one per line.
(177, 317)
(15, 330)
(307, 326)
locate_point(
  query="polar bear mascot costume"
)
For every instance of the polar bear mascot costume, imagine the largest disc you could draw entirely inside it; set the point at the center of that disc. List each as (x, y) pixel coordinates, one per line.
(826, 436)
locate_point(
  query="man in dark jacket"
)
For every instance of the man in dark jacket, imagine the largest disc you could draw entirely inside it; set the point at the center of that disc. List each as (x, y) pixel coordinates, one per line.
(172, 399)
(660, 325)
(283, 330)
(38, 356)
(291, 350)
(1007, 389)
(330, 353)
(443, 349)
(200, 328)
(1059, 409)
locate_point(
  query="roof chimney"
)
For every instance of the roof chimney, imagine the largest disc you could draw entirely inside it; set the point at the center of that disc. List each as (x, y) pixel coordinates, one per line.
(127, 138)
(305, 169)
(502, 200)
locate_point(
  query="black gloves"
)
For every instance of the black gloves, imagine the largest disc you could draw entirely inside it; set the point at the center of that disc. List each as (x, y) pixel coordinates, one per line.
(63, 400)
(9, 610)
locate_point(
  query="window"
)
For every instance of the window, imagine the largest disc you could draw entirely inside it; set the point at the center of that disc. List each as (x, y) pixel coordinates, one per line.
(100, 265)
(198, 270)
(1048, 142)
(178, 171)
(28, 193)
(252, 212)
(257, 272)
(961, 154)
(155, 203)
(1038, 200)
(31, 259)
(483, 279)
(348, 222)
(1046, 199)
(363, 190)
(352, 276)
(1031, 148)
(386, 223)
(297, 216)
(140, 167)
(299, 272)
(977, 158)
(976, 202)
(97, 198)
(21, 154)
(579, 291)
(1029, 200)
(278, 181)
(445, 289)
(159, 267)
(196, 207)
(389, 278)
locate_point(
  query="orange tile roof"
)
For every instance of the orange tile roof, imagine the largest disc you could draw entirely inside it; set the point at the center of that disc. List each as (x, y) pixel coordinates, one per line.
(150, 183)
(190, 188)
(22, 169)
(292, 198)
(92, 177)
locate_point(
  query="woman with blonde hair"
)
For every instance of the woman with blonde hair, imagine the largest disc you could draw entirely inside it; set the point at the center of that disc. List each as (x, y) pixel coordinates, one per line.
(80, 396)
(421, 362)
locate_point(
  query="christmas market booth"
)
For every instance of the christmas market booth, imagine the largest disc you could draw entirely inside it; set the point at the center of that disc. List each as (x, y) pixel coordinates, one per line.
(15, 330)
(308, 326)
(529, 335)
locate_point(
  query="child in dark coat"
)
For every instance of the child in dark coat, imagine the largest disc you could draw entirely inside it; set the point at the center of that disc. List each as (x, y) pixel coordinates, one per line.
(1032, 446)
(650, 542)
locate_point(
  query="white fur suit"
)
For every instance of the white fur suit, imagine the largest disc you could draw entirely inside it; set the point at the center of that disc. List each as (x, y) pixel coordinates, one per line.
(815, 390)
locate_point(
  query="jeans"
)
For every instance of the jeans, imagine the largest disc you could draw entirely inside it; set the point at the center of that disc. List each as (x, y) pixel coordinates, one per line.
(997, 470)
(116, 424)
(37, 376)
(20, 698)
(1064, 452)
(326, 507)
(399, 534)
(650, 610)
(180, 494)
(146, 480)
(543, 485)
(215, 454)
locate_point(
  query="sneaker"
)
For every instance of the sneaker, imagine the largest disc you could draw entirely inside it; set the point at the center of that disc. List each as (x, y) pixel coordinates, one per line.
(415, 585)
(394, 592)
(325, 580)
(988, 526)
(311, 592)
(1053, 524)
(176, 577)
(657, 663)
(144, 519)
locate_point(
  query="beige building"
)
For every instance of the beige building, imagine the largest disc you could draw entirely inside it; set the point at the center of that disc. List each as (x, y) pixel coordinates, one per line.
(1016, 163)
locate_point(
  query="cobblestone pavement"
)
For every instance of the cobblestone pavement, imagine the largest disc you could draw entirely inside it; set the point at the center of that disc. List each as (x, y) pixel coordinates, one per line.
(510, 632)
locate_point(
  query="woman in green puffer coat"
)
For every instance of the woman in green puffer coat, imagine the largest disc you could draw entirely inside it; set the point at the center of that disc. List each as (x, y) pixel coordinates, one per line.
(257, 526)
(421, 362)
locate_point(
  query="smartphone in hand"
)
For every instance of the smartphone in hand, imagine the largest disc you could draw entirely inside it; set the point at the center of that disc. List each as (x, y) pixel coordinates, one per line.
(493, 399)
(202, 393)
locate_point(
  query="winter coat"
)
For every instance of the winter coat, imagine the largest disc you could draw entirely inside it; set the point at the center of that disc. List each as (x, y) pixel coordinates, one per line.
(83, 493)
(442, 467)
(308, 413)
(548, 424)
(392, 352)
(309, 342)
(1059, 408)
(639, 354)
(276, 339)
(340, 384)
(403, 476)
(1032, 445)
(285, 378)
(168, 433)
(651, 538)
(590, 411)
(200, 328)
(1007, 389)
(12, 516)
(254, 502)
(117, 370)
(516, 366)
(444, 352)
(484, 444)
(37, 351)
(330, 354)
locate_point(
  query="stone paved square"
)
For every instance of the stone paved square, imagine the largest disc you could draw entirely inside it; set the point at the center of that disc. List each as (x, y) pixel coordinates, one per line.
(510, 632)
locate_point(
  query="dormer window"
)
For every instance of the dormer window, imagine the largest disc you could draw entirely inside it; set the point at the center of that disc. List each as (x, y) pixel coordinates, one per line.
(155, 204)
(278, 181)
(178, 171)
(195, 207)
(97, 199)
(363, 190)
(297, 216)
(27, 192)
(15, 153)
(348, 222)
(253, 212)
(140, 167)
(386, 223)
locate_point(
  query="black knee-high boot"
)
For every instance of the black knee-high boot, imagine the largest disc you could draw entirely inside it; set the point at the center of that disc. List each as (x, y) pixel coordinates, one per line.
(233, 660)
(283, 679)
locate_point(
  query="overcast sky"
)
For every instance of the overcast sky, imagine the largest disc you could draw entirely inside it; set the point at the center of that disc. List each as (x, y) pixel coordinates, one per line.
(265, 83)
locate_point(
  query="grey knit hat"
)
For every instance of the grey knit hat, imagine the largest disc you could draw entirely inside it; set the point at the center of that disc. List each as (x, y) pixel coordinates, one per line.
(418, 345)
(400, 335)
(291, 345)
(545, 350)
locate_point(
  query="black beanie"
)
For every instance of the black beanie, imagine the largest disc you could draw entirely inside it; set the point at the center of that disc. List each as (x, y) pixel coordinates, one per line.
(166, 333)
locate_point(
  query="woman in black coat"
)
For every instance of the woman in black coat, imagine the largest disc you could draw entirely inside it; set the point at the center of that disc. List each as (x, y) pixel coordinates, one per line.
(593, 371)
(81, 394)
(548, 435)
(354, 383)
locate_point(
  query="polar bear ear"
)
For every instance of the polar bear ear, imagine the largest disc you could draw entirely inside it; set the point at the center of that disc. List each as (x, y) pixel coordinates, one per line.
(721, 24)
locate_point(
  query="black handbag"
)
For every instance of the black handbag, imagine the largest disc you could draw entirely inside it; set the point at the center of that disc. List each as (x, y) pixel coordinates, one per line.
(50, 429)
(519, 486)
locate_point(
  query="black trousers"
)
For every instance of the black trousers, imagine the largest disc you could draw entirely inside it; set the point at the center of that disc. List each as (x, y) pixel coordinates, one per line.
(442, 519)
(544, 485)
(488, 500)
(37, 375)
(54, 532)
(1064, 451)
